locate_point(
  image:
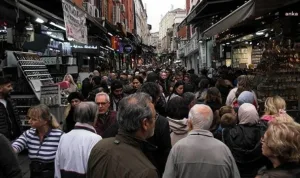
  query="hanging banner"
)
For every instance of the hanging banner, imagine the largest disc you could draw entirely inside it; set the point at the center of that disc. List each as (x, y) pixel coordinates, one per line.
(75, 22)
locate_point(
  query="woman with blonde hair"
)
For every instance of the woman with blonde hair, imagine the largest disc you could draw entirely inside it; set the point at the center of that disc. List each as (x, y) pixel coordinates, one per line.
(72, 85)
(281, 145)
(41, 140)
(274, 106)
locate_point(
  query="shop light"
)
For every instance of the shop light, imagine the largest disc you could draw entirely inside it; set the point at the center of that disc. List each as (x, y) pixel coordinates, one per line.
(259, 33)
(251, 43)
(228, 43)
(246, 42)
(109, 48)
(58, 26)
(38, 20)
(201, 41)
(109, 34)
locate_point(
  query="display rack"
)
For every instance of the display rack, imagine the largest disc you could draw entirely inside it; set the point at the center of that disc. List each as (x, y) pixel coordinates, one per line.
(34, 70)
(256, 55)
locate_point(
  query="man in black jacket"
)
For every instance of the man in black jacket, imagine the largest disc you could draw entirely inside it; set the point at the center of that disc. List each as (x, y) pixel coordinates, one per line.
(161, 137)
(10, 124)
(9, 166)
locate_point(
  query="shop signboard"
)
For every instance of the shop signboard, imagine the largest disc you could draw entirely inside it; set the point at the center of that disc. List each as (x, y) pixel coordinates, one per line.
(128, 48)
(75, 22)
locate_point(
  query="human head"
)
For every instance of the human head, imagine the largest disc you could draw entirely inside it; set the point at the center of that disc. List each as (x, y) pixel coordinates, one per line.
(178, 88)
(203, 84)
(190, 99)
(246, 97)
(152, 77)
(151, 89)
(117, 88)
(248, 114)
(163, 75)
(226, 109)
(105, 78)
(69, 78)
(273, 105)
(282, 141)
(96, 80)
(200, 117)
(96, 73)
(137, 82)
(204, 72)
(39, 116)
(213, 95)
(177, 108)
(5, 87)
(228, 120)
(136, 115)
(103, 102)
(75, 98)
(86, 112)
(113, 76)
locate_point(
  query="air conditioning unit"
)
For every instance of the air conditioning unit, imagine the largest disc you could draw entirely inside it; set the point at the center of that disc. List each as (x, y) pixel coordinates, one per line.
(117, 1)
(88, 7)
(122, 7)
(96, 12)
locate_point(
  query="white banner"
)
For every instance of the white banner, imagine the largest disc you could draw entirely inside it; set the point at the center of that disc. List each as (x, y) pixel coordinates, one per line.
(75, 22)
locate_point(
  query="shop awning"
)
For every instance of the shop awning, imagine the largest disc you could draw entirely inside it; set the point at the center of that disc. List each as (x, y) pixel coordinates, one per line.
(204, 9)
(237, 16)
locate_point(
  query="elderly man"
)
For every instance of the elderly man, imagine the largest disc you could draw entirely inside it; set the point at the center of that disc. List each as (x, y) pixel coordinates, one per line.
(122, 156)
(200, 154)
(106, 117)
(79, 142)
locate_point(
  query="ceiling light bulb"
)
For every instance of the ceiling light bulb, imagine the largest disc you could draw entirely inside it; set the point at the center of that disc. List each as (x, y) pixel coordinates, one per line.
(38, 20)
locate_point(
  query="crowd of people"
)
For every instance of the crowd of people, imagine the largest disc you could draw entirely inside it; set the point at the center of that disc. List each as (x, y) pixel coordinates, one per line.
(163, 123)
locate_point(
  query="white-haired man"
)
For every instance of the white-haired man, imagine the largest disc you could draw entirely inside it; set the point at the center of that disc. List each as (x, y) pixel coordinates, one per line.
(200, 154)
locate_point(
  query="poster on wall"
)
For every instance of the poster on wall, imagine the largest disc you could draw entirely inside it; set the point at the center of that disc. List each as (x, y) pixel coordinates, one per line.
(75, 22)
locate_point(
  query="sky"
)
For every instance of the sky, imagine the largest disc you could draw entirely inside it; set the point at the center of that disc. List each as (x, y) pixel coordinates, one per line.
(158, 8)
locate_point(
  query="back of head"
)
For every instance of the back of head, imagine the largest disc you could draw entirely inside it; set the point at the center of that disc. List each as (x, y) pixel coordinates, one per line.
(177, 108)
(132, 110)
(152, 77)
(246, 97)
(248, 114)
(201, 117)
(86, 112)
(224, 110)
(151, 89)
(97, 80)
(116, 84)
(273, 105)
(228, 120)
(75, 95)
(189, 97)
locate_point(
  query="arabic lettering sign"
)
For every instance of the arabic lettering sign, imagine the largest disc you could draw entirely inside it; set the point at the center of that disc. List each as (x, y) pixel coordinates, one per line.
(75, 22)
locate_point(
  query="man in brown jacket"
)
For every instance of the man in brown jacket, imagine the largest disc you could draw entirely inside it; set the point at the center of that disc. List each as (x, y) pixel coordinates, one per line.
(122, 156)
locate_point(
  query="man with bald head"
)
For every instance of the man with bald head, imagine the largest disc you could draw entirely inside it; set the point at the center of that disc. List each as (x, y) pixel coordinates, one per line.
(200, 154)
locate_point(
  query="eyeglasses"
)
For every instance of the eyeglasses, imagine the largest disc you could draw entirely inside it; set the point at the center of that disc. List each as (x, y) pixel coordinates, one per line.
(101, 103)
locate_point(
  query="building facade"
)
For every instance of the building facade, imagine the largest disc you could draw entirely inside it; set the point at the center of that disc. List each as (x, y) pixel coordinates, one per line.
(154, 41)
(141, 26)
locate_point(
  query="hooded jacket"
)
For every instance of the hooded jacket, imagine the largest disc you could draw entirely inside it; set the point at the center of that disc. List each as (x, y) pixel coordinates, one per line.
(178, 129)
(244, 141)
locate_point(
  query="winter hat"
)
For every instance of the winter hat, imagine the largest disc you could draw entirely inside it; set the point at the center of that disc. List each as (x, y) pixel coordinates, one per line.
(75, 95)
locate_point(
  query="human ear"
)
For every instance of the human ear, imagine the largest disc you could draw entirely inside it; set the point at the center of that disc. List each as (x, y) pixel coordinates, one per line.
(145, 124)
(190, 125)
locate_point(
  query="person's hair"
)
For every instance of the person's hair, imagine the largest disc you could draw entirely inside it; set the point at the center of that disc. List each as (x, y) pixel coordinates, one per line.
(151, 89)
(116, 84)
(283, 139)
(4, 80)
(177, 84)
(71, 79)
(274, 104)
(220, 83)
(42, 111)
(188, 97)
(133, 109)
(97, 80)
(204, 72)
(201, 117)
(139, 78)
(103, 94)
(224, 110)
(228, 120)
(188, 87)
(213, 95)
(75, 95)
(282, 118)
(86, 112)
(177, 108)
(152, 77)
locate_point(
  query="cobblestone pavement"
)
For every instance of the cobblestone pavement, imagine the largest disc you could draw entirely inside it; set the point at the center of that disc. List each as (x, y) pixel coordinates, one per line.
(24, 162)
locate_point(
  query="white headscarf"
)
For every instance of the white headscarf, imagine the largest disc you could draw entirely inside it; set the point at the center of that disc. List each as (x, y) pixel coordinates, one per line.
(248, 114)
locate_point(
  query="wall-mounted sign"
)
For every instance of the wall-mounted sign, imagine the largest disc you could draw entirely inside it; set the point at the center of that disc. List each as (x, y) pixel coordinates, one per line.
(85, 47)
(128, 48)
(75, 22)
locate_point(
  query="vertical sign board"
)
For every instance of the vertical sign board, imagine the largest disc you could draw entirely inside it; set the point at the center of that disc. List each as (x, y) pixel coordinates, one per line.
(75, 22)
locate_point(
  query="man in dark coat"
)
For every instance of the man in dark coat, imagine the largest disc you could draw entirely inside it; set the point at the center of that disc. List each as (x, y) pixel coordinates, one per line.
(10, 123)
(123, 156)
(161, 137)
(9, 166)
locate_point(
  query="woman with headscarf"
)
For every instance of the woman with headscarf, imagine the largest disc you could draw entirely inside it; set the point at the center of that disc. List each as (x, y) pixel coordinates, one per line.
(244, 141)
